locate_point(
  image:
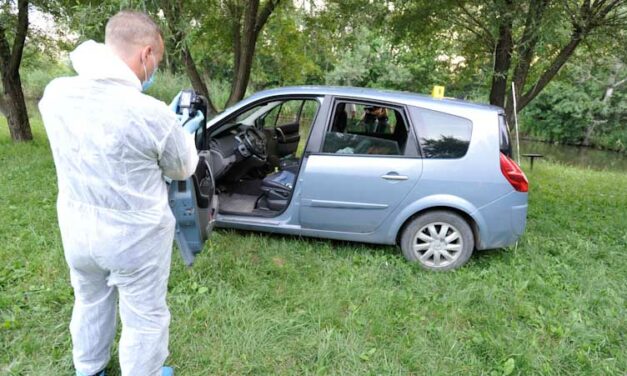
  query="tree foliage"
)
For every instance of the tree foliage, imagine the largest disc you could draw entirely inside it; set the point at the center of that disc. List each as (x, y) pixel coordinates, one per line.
(475, 48)
(525, 42)
(585, 105)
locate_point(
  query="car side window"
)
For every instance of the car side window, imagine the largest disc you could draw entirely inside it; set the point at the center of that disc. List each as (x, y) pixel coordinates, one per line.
(270, 119)
(284, 113)
(371, 129)
(290, 113)
(442, 135)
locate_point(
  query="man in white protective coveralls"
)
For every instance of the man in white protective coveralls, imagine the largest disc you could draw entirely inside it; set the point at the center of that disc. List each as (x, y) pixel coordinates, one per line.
(112, 147)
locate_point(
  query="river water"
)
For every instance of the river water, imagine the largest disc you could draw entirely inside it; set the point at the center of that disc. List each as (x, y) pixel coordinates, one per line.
(575, 156)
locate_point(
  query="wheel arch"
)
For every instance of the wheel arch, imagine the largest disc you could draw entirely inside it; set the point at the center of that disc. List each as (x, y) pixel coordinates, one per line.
(448, 202)
(467, 217)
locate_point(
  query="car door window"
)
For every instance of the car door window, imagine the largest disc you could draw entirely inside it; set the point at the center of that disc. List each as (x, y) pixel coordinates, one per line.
(270, 118)
(290, 113)
(366, 128)
(307, 116)
(283, 113)
(291, 120)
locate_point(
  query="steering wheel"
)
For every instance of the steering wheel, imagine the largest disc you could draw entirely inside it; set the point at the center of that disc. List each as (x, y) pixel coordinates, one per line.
(255, 142)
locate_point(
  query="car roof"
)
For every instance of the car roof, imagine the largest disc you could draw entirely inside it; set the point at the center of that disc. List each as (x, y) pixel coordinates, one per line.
(401, 97)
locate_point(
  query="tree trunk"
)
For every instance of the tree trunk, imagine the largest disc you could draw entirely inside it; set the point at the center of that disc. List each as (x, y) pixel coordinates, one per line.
(555, 66)
(244, 44)
(3, 107)
(526, 51)
(12, 99)
(590, 15)
(197, 82)
(15, 108)
(245, 35)
(172, 11)
(502, 61)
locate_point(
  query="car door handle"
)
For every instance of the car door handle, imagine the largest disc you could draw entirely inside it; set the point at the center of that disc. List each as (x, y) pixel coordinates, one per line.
(394, 176)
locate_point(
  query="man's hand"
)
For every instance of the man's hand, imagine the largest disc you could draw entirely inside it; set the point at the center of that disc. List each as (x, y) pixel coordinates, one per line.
(174, 105)
(191, 124)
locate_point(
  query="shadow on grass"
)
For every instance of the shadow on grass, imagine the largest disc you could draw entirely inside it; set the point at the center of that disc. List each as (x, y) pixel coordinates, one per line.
(346, 249)
(342, 247)
(489, 254)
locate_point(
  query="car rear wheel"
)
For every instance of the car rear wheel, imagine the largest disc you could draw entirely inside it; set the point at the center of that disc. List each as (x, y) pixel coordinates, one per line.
(438, 240)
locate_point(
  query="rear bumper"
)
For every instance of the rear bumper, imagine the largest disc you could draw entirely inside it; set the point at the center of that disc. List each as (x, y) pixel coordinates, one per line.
(519, 219)
(504, 221)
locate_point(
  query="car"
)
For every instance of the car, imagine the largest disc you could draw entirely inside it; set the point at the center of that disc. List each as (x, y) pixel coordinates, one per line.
(433, 176)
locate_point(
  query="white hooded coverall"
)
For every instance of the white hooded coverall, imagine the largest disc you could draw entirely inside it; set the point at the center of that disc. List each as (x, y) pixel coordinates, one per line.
(112, 147)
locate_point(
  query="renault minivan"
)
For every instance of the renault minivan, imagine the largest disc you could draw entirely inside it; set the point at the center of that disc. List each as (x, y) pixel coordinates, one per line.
(433, 176)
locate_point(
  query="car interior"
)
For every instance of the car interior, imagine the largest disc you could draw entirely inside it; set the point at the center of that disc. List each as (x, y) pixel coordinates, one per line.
(255, 156)
(359, 128)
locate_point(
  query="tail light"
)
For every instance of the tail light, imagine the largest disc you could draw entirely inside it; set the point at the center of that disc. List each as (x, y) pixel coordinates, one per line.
(514, 174)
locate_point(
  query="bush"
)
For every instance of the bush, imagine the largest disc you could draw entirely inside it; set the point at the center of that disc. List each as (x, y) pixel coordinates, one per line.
(573, 109)
(560, 114)
(35, 79)
(167, 85)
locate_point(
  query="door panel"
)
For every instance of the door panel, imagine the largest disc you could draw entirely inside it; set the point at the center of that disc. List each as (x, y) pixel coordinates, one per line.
(354, 193)
(194, 204)
(287, 137)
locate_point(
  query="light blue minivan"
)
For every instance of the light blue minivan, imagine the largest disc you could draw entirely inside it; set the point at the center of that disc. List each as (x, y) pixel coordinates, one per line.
(434, 176)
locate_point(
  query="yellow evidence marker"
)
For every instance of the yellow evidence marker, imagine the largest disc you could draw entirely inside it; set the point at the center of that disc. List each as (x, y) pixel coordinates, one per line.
(438, 92)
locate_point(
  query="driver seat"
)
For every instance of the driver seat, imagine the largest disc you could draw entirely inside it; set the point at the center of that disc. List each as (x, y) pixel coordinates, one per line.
(277, 189)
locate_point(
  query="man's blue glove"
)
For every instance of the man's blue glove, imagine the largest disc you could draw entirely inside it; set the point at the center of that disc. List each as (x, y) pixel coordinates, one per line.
(189, 124)
(193, 123)
(174, 105)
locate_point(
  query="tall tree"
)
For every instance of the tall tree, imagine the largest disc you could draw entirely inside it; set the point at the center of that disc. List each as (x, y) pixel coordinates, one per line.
(12, 103)
(237, 20)
(589, 16)
(502, 54)
(196, 30)
(247, 20)
(178, 23)
(526, 42)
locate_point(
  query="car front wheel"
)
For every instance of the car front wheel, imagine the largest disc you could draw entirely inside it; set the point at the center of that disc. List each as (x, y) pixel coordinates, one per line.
(438, 240)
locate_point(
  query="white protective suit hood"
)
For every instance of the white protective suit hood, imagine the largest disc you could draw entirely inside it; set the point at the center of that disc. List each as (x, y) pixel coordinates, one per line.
(97, 61)
(112, 147)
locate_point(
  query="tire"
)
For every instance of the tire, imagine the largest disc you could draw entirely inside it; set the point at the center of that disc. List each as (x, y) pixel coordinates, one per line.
(422, 241)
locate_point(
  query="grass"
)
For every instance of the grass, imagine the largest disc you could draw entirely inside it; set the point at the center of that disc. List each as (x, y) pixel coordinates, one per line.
(263, 304)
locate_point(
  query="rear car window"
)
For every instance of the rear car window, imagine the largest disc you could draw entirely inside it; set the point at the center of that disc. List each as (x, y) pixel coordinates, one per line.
(504, 144)
(441, 135)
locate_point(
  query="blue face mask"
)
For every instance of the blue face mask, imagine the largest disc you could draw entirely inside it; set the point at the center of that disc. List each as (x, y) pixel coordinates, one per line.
(151, 80)
(147, 84)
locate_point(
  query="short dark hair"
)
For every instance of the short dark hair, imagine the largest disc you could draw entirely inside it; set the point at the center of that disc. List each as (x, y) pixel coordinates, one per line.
(134, 28)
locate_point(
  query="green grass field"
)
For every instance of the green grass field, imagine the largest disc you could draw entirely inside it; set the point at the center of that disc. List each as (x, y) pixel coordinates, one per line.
(261, 304)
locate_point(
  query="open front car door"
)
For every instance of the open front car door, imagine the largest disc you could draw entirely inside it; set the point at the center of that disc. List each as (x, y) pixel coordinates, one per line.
(193, 201)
